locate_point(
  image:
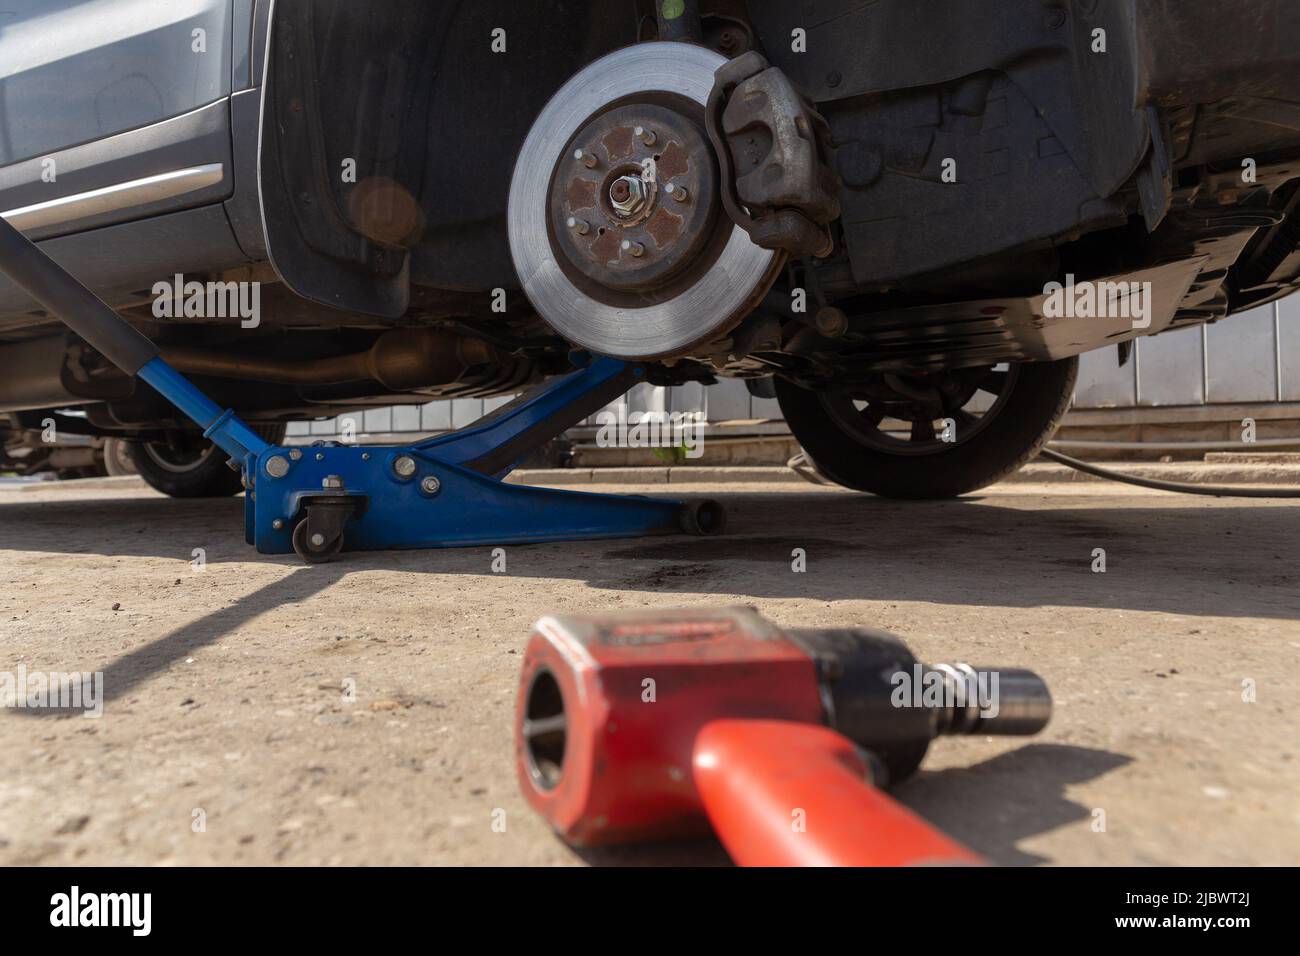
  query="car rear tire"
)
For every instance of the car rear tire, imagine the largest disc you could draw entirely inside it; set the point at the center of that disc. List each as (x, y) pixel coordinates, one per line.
(839, 433)
(193, 468)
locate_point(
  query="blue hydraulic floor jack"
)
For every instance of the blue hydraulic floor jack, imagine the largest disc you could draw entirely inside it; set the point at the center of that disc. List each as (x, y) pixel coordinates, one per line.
(448, 491)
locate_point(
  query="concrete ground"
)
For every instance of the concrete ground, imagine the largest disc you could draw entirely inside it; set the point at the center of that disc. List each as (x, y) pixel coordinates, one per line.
(226, 738)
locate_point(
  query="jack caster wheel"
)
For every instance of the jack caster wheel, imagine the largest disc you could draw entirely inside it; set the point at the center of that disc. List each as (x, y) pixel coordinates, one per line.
(319, 535)
(315, 547)
(703, 517)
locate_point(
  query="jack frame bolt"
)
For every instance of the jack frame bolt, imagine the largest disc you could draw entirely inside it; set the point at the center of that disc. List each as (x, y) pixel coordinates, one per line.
(277, 466)
(677, 192)
(646, 136)
(331, 482)
(404, 466)
(587, 159)
(278, 524)
(634, 248)
(430, 485)
(295, 453)
(580, 226)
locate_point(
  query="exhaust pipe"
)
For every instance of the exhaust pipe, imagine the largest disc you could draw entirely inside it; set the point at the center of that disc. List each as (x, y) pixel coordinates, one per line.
(401, 360)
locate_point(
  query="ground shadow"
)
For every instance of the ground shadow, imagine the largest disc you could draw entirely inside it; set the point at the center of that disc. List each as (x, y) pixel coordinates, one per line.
(1197, 560)
(123, 675)
(1216, 562)
(994, 805)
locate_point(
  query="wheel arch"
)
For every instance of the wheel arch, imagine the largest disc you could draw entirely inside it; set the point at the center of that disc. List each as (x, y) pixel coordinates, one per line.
(428, 205)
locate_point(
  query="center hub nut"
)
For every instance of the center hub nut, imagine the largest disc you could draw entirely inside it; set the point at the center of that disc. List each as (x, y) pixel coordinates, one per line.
(627, 196)
(615, 225)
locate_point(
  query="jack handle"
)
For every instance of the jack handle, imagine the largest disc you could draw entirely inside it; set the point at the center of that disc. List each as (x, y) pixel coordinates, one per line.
(60, 294)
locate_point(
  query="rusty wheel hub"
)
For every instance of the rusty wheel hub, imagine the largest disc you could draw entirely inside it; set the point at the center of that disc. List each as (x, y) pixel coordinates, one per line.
(617, 231)
(635, 201)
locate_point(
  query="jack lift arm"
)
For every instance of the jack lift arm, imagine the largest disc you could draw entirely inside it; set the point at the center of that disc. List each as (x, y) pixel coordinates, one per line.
(448, 491)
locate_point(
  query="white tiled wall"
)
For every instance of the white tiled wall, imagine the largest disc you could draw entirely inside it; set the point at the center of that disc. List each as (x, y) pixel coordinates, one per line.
(1251, 357)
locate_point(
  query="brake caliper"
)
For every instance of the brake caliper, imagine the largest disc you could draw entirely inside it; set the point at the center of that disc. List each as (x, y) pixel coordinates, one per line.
(772, 145)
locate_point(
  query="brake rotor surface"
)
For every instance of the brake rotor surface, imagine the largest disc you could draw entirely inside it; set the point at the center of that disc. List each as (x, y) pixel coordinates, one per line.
(616, 229)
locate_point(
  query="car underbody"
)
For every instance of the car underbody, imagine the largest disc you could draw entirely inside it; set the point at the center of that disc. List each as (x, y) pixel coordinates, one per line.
(893, 206)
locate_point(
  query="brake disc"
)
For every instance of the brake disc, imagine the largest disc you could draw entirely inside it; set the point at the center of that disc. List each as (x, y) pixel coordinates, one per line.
(616, 225)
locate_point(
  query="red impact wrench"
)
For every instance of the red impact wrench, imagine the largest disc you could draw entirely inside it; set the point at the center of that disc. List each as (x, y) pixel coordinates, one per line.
(655, 725)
